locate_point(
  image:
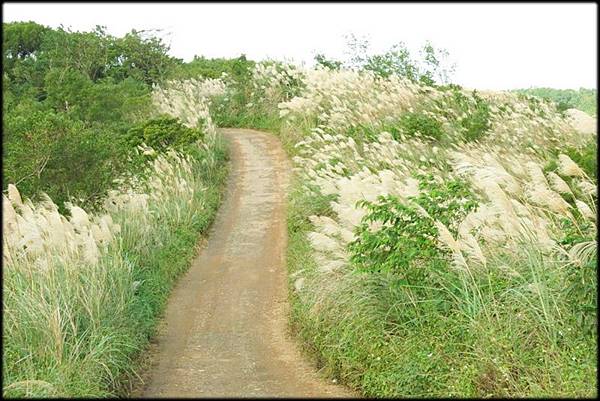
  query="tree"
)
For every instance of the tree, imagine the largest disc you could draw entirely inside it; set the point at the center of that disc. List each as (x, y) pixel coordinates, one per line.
(69, 99)
(432, 67)
(331, 64)
(139, 57)
(22, 39)
(21, 44)
(86, 52)
(435, 64)
(357, 49)
(396, 61)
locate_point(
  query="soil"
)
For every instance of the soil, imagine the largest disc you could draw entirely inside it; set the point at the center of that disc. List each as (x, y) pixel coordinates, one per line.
(225, 331)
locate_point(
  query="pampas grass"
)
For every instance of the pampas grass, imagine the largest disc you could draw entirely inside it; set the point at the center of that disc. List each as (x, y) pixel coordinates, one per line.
(82, 291)
(509, 264)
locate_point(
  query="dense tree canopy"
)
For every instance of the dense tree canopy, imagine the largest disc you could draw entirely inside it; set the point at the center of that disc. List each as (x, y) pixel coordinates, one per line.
(69, 99)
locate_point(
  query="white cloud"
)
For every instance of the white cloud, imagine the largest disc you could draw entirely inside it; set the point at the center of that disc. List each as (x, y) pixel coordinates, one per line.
(495, 46)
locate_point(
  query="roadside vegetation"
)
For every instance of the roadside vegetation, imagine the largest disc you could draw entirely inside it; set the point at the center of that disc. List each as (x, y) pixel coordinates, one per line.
(111, 175)
(442, 241)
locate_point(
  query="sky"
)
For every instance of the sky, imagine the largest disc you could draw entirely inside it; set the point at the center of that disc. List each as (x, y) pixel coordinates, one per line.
(494, 46)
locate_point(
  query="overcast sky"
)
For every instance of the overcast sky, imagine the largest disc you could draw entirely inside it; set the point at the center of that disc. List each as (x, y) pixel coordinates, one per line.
(495, 46)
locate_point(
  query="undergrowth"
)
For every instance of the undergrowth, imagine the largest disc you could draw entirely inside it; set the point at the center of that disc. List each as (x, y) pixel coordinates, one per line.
(447, 334)
(77, 328)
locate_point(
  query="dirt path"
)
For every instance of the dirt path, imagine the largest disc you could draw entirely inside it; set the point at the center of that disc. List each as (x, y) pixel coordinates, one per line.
(225, 330)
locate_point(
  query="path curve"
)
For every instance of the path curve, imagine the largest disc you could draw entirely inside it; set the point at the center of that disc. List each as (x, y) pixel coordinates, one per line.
(225, 329)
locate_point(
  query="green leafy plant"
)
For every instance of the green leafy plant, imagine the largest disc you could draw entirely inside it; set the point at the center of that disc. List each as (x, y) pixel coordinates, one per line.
(583, 99)
(69, 99)
(54, 153)
(477, 122)
(325, 62)
(163, 132)
(586, 157)
(406, 242)
(430, 68)
(237, 69)
(411, 123)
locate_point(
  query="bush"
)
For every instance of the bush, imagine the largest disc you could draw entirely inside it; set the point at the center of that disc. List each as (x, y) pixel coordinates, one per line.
(239, 69)
(117, 104)
(477, 122)
(413, 123)
(407, 239)
(163, 132)
(586, 158)
(51, 152)
(321, 60)
(69, 99)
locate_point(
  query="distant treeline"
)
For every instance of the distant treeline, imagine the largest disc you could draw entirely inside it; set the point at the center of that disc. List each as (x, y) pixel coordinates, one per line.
(582, 99)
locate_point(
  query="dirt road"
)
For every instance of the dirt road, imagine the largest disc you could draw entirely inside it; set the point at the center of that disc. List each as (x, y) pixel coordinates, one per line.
(225, 331)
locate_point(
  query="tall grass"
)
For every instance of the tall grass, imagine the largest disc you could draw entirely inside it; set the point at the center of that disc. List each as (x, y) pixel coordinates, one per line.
(82, 294)
(510, 330)
(73, 325)
(494, 300)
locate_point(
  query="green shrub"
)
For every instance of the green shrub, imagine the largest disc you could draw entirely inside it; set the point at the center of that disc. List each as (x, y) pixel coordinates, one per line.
(586, 158)
(476, 110)
(457, 335)
(163, 132)
(413, 123)
(54, 153)
(105, 102)
(66, 89)
(477, 122)
(563, 106)
(407, 239)
(582, 282)
(322, 60)
(238, 69)
(117, 104)
(69, 99)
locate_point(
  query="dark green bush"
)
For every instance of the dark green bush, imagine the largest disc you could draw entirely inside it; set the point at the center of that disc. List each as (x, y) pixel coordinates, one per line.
(238, 69)
(163, 132)
(563, 106)
(51, 152)
(411, 123)
(115, 103)
(69, 98)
